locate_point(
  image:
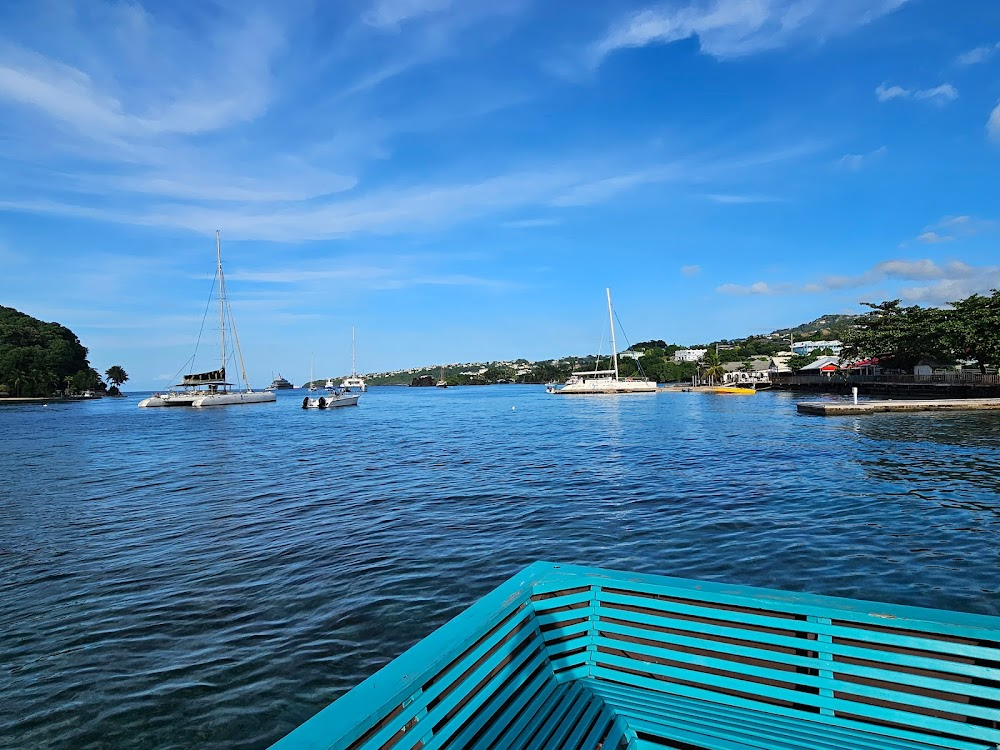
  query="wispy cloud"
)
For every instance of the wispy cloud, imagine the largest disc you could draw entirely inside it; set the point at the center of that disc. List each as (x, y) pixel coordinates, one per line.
(735, 28)
(936, 95)
(738, 198)
(414, 208)
(978, 54)
(931, 237)
(854, 162)
(951, 227)
(948, 281)
(389, 14)
(235, 86)
(758, 288)
(993, 124)
(531, 223)
(690, 270)
(396, 273)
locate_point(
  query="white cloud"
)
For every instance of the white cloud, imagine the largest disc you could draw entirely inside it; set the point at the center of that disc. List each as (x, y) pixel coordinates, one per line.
(735, 198)
(735, 28)
(389, 14)
(854, 162)
(931, 237)
(937, 95)
(393, 273)
(531, 223)
(948, 277)
(312, 210)
(949, 227)
(590, 192)
(690, 270)
(993, 124)
(757, 288)
(978, 55)
(886, 93)
(234, 85)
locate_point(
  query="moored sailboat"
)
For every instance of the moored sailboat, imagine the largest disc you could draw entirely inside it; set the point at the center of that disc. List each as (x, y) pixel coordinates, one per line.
(355, 380)
(604, 381)
(213, 388)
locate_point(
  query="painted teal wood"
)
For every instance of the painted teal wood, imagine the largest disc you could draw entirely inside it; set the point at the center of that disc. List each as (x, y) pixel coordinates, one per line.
(565, 656)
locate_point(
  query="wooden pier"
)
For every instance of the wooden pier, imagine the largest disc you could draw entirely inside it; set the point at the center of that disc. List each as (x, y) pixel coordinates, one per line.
(843, 408)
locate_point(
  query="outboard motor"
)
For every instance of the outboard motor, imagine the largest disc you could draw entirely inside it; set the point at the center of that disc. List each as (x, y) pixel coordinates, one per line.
(305, 403)
(322, 402)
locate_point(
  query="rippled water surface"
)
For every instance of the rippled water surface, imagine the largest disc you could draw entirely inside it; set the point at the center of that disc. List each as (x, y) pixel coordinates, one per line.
(174, 577)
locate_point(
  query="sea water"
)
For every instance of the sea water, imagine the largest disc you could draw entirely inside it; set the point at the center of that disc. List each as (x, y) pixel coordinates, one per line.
(181, 577)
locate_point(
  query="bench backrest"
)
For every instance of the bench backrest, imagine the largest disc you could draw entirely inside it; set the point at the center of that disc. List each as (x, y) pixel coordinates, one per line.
(900, 671)
(905, 672)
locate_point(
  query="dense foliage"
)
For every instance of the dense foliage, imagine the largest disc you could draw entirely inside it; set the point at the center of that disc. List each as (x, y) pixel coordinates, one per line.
(39, 359)
(115, 375)
(969, 331)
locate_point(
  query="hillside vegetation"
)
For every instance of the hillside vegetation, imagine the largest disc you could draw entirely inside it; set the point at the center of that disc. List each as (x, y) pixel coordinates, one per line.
(40, 359)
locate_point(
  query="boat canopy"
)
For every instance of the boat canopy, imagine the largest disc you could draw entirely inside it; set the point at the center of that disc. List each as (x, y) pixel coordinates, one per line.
(596, 372)
(215, 377)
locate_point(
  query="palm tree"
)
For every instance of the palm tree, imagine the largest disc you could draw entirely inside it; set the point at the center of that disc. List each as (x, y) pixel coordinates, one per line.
(116, 375)
(713, 365)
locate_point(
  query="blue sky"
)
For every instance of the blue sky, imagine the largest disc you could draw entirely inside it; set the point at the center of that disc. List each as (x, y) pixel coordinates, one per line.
(461, 180)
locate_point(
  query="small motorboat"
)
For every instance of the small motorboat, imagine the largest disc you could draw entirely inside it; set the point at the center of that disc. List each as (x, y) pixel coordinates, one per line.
(734, 390)
(331, 400)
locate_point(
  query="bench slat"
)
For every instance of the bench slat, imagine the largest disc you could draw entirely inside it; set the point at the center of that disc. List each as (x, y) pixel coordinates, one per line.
(792, 642)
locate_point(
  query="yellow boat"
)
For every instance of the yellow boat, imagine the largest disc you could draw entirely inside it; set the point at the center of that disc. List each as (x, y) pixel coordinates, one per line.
(731, 389)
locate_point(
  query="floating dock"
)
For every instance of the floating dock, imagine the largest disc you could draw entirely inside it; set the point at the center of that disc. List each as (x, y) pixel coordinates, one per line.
(843, 408)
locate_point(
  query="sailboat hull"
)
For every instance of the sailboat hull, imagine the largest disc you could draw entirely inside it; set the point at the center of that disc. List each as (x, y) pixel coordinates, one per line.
(229, 399)
(606, 386)
(170, 399)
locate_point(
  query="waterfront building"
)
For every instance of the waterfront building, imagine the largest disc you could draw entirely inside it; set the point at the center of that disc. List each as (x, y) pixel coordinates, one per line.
(778, 365)
(808, 347)
(689, 355)
(759, 371)
(928, 366)
(822, 366)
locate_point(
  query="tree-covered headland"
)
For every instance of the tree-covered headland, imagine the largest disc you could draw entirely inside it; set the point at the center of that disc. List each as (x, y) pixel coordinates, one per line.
(41, 359)
(967, 331)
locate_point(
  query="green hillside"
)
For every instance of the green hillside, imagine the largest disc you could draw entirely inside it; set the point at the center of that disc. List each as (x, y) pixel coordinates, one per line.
(39, 359)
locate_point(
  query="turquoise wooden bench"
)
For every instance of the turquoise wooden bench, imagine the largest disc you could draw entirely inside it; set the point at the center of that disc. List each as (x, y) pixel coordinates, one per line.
(569, 657)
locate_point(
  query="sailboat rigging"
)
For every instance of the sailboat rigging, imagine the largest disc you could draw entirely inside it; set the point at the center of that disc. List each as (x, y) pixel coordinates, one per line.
(212, 388)
(604, 381)
(355, 380)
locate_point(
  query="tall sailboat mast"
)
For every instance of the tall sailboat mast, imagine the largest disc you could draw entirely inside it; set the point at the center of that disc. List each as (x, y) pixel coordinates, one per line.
(222, 300)
(611, 316)
(354, 369)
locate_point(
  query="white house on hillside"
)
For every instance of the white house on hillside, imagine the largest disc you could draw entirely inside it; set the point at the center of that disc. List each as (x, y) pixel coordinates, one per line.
(808, 347)
(689, 355)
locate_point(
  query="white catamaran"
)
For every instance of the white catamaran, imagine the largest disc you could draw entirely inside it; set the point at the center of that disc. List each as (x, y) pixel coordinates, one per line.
(212, 388)
(355, 380)
(604, 381)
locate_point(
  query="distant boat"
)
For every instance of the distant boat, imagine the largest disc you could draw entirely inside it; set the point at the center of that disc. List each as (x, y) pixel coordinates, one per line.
(312, 383)
(442, 383)
(604, 381)
(279, 384)
(735, 390)
(212, 388)
(355, 380)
